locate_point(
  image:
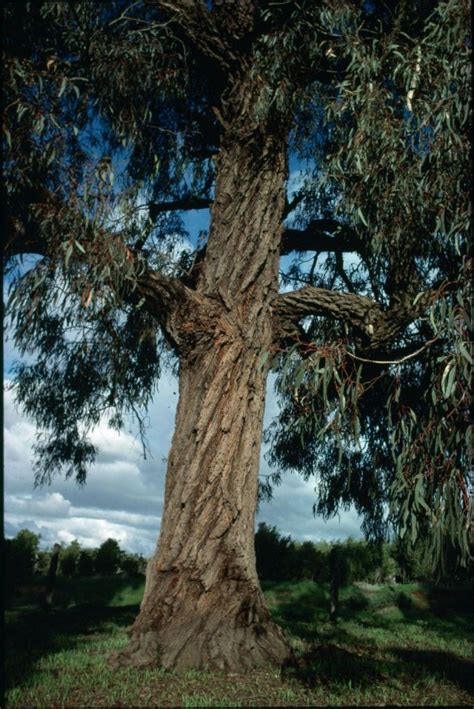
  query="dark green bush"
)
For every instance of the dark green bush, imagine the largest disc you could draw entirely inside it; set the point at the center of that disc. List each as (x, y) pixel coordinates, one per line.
(404, 601)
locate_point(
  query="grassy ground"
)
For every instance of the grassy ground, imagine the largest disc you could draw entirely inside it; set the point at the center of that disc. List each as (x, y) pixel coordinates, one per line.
(404, 645)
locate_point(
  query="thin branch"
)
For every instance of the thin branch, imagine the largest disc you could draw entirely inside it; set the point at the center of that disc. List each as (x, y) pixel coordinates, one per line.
(414, 80)
(290, 206)
(340, 270)
(395, 361)
(197, 23)
(185, 203)
(124, 15)
(313, 268)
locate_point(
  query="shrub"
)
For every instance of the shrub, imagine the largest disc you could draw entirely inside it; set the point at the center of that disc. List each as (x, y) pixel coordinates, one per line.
(404, 601)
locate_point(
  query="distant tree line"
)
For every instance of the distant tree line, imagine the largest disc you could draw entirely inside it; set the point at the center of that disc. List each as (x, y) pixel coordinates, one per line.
(279, 558)
(23, 559)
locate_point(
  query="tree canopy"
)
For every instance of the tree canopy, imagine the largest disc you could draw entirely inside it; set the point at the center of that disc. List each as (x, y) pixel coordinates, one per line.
(117, 118)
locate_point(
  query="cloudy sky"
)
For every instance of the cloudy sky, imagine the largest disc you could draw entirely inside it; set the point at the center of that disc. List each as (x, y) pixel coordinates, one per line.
(123, 496)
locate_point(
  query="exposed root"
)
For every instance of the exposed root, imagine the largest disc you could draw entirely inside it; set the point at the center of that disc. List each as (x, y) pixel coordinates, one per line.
(141, 651)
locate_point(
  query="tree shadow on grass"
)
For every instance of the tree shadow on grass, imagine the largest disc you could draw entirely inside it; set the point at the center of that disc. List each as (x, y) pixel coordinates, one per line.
(350, 659)
(449, 623)
(302, 613)
(459, 670)
(333, 665)
(335, 655)
(32, 633)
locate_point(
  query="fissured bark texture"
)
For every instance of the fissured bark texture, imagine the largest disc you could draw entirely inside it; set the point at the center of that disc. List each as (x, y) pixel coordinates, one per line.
(203, 607)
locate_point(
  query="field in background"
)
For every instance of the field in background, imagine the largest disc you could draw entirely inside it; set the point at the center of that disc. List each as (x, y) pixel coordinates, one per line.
(393, 644)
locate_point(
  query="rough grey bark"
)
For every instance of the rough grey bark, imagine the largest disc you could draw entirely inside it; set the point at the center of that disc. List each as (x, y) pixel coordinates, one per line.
(375, 326)
(203, 607)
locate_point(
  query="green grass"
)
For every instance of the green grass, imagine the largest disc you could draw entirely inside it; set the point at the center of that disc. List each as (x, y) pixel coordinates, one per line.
(405, 645)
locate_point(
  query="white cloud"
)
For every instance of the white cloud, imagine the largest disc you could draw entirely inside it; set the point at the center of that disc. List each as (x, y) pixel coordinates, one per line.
(113, 444)
(122, 498)
(291, 511)
(52, 504)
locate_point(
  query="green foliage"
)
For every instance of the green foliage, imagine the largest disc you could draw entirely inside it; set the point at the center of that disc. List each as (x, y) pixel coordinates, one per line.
(107, 559)
(69, 557)
(396, 165)
(108, 109)
(43, 560)
(357, 561)
(276, 555)
(282, 559)
(86, 563)
(311, 561)
(20, 554)
(59, 189)
(23, 558)
(132, 565)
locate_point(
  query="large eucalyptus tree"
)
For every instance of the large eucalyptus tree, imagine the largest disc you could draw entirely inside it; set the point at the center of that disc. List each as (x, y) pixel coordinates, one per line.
(119, 117)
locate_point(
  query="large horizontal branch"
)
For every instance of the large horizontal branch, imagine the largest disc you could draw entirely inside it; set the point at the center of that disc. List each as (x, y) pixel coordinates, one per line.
(321, 235)
(356, 310)
(167, 299)
(175, 205)
(376, 328)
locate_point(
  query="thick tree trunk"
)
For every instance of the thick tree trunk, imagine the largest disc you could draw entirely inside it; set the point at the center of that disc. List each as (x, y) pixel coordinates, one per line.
(203, 607)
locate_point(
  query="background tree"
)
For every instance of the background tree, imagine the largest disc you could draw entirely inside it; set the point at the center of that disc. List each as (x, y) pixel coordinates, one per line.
(276, 556)
(21, 554)
(117, 118)
(43, 562)
(69, 558)
(108, 557)
(86, 563)
(311, 561)
(54, 555)
(352, 561)
(132, 564)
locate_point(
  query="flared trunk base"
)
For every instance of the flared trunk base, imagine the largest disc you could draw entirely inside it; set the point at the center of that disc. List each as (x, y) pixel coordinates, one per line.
(258, 646)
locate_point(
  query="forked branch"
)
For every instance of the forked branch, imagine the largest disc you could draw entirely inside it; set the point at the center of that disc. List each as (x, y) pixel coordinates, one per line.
(376, 327)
